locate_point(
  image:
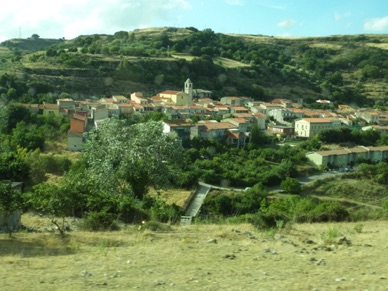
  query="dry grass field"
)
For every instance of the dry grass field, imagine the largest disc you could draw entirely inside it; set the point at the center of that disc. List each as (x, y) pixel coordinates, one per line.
(199, 257)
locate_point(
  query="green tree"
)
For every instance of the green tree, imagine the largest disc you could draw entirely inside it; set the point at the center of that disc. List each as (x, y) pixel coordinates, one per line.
(291, 185)
(13, 167)
(11, 115)
(137, 156)
(53, 200)
(10, 202)
(24, 137)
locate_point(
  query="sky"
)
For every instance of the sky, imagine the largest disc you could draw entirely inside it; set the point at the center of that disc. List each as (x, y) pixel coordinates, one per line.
(71, 18)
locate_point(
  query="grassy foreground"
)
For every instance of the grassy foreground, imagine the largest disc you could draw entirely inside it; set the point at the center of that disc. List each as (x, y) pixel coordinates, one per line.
(199, 257)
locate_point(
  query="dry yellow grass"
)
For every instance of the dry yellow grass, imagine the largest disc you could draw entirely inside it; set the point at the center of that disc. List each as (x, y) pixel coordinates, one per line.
(224, 62)
(228, 63)
(198, 257)
(326, 45)
(183, 56)
(383, 46)
(172, 196)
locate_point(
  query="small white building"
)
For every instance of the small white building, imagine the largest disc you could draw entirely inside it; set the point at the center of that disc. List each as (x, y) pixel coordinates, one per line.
(308, 127)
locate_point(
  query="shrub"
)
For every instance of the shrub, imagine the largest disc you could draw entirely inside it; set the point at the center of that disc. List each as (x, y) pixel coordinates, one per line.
(156, 226)
(330, 235)
(100, 221)
(358, 227)
(291, 185)
(330, 211)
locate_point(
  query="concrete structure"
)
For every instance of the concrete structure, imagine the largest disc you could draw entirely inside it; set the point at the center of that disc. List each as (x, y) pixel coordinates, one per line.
(138, 98)
(50, 109)
(211, 129)
(308, 127)
(119, 99)
(347, 157)
(181, 127)
(189, 90)
(66, 103)
(75, 136)
(281, 130)
(235, 101)
(178, 97)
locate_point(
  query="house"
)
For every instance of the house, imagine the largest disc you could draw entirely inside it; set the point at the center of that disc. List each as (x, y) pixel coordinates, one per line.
(138, 98)
(75, 135)
(205, 102)
(200, 93)
(236, 138)
(125, 109)
(260, 120)
(347, 157)
(241, 124)
(281, 115)
(119, 99)
(98, 113)
(66, 103)
(308, 127)
(370, 116)
(221, 109)
(266, 107)
(181, 127)
(281, 130)
(113, 109)
(238, 109)
(235, 101)
(282, 102)
(50, 109)
(211, 129)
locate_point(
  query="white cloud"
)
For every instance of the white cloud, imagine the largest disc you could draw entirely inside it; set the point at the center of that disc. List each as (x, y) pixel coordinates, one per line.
(70, 18)
(235, 2)
(286, 23)
(271, 5)
(338, 16)
(376, 24)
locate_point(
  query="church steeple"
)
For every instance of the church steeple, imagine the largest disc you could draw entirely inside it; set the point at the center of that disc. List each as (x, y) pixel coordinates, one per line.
(189, 89)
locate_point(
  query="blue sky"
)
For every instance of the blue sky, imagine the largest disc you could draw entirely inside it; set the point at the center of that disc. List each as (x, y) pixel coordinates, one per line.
(70, 18)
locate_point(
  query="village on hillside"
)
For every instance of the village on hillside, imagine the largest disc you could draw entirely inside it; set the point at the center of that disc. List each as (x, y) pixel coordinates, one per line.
(193, 113)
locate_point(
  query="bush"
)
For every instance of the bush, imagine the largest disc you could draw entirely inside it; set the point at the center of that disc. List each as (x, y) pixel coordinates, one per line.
(156, 226)
(100, 221)
(291, 185)
(296, 209)
(330, 211)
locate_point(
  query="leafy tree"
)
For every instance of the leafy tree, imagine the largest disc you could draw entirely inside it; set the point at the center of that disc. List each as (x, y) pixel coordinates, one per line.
(10, 201)
(55, 201)
(137, 156)
(24, 137)
(121, 35)
(13, 167)
(11, 115)
(291, 185)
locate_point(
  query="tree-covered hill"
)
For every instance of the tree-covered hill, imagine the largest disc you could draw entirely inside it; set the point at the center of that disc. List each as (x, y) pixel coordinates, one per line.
(346, 69)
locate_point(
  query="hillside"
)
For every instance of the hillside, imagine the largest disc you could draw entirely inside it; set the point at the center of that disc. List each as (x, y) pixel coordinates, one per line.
(345, 68)
(344, 256)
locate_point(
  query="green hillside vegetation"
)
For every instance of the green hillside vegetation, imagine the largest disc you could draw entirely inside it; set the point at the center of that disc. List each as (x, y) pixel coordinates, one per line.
(110, 181)
(362, 191)
(344, 69)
